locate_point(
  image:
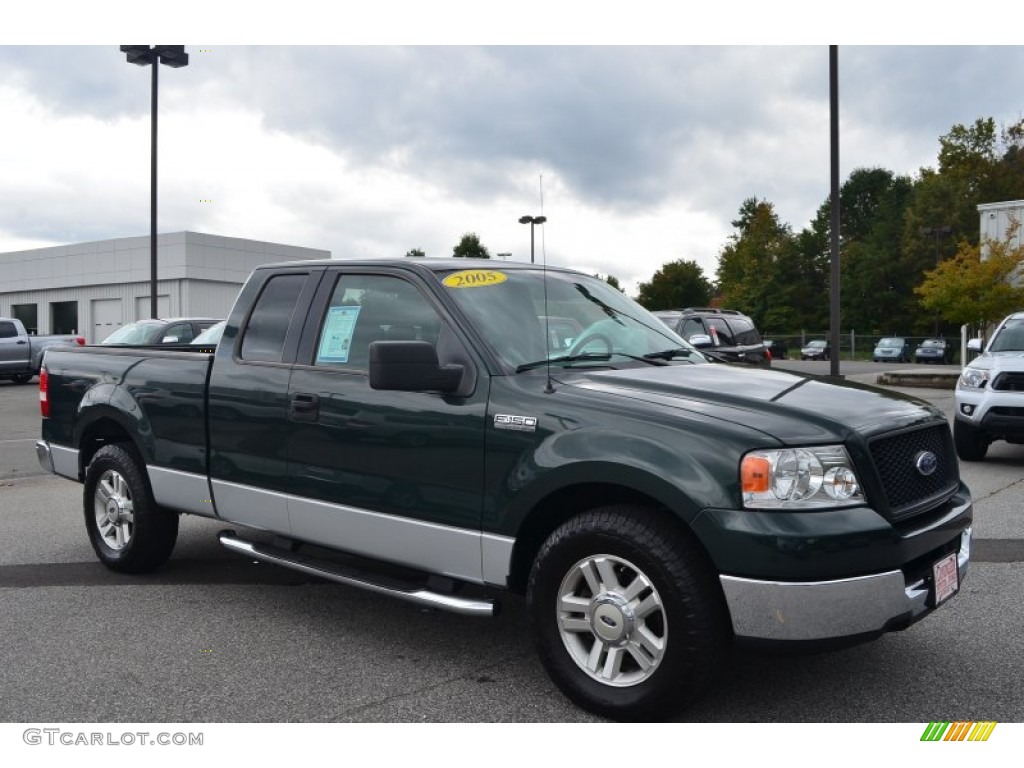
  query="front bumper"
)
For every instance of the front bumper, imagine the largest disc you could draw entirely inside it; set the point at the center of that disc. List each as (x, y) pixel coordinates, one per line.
(829, 610)
(996, 411)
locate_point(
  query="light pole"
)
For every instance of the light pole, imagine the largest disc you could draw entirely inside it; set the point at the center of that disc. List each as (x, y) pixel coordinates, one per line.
(144, 55)
(532, 221)
(939, 232)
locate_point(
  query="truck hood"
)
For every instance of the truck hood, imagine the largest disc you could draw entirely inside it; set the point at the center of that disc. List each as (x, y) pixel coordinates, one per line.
(1010, 360)
(794, 408)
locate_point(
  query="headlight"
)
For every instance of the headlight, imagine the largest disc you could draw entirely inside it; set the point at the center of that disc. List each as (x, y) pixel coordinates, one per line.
(799, 478)
(973, 378)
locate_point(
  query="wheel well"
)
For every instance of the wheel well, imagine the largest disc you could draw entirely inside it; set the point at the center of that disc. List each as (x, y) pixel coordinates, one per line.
(560, 506)
(98, 434)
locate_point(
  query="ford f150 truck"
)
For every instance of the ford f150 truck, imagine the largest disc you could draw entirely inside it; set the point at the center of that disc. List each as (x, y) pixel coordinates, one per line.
(415, 428)
(21, 354)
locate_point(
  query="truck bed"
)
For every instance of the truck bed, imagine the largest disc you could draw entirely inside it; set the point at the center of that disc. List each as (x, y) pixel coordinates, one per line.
(151, 391)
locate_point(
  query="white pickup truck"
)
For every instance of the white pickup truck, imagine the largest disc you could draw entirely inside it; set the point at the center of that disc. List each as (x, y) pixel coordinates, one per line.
(990, 392)
(21, 354)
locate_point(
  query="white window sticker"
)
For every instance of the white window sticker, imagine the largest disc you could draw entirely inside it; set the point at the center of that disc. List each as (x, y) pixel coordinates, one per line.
(336, 340)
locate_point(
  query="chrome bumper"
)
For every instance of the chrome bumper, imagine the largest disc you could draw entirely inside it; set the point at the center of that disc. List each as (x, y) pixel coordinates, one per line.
(57, 459)
(44, 455)
(825, 610)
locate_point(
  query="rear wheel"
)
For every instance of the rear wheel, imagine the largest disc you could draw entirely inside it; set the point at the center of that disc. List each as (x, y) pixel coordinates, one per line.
(627, 612)
(971, 443)
(127, 529)
(22, 378)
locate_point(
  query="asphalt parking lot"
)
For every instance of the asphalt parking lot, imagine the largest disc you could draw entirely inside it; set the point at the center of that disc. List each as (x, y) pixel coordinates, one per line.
(214, 638)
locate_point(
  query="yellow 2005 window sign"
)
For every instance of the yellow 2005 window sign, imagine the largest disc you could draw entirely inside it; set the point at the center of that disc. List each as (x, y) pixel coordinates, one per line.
(474, 278)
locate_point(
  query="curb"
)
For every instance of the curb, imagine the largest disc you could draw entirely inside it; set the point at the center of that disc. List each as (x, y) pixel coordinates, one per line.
(932, 380)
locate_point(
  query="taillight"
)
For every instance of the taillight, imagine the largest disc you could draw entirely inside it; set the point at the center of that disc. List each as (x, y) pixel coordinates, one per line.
(44, 393)
(80, 341)
(768, 354)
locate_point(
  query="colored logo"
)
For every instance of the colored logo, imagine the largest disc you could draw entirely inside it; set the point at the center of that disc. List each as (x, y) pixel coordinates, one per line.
(961, 731)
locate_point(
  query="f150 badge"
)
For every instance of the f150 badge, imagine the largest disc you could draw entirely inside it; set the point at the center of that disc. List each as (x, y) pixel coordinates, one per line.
(515, 423)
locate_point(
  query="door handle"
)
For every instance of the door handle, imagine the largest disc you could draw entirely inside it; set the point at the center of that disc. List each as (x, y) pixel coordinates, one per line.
(304, 407)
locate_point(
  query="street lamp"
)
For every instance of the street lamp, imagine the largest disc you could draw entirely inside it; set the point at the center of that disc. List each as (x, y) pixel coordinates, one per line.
(532, 221)
(144, 55)
(939, 232)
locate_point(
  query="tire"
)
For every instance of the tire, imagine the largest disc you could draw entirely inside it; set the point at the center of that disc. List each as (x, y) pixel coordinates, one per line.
(126, 528)
(22, 378)
(971, 443)
(627, 612)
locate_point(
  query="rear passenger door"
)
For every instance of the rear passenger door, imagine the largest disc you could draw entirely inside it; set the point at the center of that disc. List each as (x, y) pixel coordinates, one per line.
(248, 403)
(392, 475)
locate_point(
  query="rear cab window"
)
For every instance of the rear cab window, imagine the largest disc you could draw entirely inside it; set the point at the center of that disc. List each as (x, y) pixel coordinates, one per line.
(267, 329)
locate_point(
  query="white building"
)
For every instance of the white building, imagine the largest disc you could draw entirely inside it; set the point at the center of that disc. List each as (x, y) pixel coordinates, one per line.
(997, 220)
(95, 288)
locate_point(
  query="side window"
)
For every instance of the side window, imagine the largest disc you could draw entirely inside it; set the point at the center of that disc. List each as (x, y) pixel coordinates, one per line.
(744, 331)
(7, 330)
(691, 326)
(720, 332)
(368, 308)
(179, 333)
(268, 324)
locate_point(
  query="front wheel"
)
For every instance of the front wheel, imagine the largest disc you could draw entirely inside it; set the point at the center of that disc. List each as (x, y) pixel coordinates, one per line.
(127, 529)
(971, 443)
(627, 612)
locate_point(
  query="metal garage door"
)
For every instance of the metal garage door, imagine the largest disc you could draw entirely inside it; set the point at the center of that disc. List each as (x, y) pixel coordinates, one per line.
(107, 317)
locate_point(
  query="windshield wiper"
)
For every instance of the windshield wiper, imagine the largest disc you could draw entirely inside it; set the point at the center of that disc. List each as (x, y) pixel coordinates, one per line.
(599, 357)
(669, 354)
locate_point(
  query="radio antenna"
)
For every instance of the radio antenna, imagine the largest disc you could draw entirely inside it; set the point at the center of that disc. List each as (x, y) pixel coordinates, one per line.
(549, 389)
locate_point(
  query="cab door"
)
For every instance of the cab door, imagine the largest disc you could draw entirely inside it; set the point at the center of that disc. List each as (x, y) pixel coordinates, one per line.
(392, 475)
(247, 404)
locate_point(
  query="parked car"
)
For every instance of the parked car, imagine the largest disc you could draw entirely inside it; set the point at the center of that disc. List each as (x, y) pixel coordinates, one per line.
(816, 350)
(892, 348)
(727, 333)
(934, 351)
(777, 348)
(989, 398)
(176, 330)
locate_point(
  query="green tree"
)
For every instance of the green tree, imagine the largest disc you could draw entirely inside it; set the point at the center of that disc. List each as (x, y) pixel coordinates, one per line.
(676, 285)
(967, 288)
(415, 253)
(759, 267)
(470, 247)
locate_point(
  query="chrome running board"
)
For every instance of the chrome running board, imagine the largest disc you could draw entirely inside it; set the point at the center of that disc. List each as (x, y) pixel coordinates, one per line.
(374, 583)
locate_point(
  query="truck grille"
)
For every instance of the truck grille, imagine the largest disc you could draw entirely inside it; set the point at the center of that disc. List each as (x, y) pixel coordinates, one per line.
(907, 490)
(1009, 382)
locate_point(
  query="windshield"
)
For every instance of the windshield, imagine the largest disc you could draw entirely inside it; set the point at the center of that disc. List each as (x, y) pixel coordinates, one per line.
(816, 344)
(211, 335)
(582, 316)
(1010, 338)
(134, 333)
(891, 343)
(933, 343)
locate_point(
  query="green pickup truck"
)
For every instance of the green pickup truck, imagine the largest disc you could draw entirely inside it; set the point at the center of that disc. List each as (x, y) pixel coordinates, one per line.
(449, 431)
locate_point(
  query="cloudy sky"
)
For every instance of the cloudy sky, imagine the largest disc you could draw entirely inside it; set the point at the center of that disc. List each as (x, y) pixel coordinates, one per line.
(638, 154)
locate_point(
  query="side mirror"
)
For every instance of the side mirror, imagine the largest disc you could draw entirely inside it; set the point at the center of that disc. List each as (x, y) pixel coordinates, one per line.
(410, 366)
(974, 345)
(701, 340)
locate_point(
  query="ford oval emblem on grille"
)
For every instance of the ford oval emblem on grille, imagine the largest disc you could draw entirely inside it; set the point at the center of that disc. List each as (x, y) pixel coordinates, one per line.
(926, 463)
